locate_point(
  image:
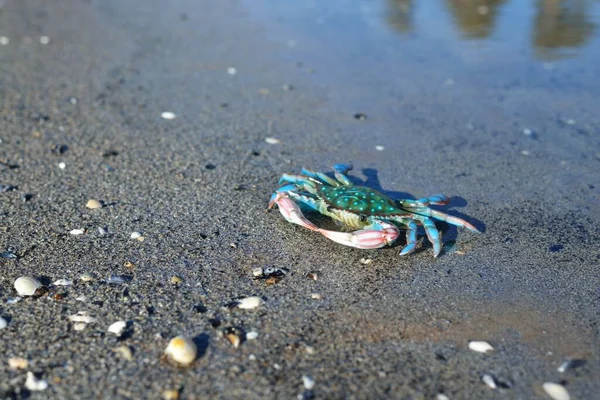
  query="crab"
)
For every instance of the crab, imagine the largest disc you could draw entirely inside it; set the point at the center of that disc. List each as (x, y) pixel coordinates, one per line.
(376, 218)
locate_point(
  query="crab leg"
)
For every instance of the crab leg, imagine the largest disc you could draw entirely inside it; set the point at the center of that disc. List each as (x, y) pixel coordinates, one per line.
(438, 199)
(377, 235)
(321, 176)
(444, 217)
(433, 235)
(290, 211)
(411, 238)
(340, 173)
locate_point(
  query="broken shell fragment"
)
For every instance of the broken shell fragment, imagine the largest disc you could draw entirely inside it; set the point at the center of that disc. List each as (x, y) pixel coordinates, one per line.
(489, 380)
(117, 328)
(308, 381)
(76, 231)
(82, 317)
(556, 391)
(252, 335)
(234, 335)
(480, 346)
(93, 204)
(18, 363)
(257, 272)
(125, 352)
(182, 350)
(248, 303)
(27, 286)
(3, 323)
(34, 384)
(63, 282)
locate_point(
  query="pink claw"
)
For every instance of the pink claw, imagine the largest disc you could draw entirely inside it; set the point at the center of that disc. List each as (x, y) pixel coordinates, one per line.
(366, 238)
(291, 212)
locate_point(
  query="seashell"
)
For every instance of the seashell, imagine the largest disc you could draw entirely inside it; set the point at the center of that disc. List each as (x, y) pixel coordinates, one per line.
(257, 272)
(79, 326)
(489, 380)
(248, 303)
(63, 282)
(87, 277)
(316, 296)
(34, 384)
(125, 352)
(182, 350)
(308, 381)
(233, 335)
(272, 140)
(77, 232)
(251, 335)
(93, 204)
(117, 327)
(116, 279)
(18, 363)
(441, 396)
(176, 280)
(3, 323)
(168, 115)
(170, 394)
(26, 285)
(480, 346)
(556, 391)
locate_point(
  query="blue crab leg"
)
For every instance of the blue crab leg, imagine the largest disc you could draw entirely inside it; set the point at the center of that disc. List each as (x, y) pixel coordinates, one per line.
(377, 235)
(305, 182)
(433, 235)
(438, 200)
(340, 173)
(411, 238)
(283, 189)
(444, 217)
(321, 176)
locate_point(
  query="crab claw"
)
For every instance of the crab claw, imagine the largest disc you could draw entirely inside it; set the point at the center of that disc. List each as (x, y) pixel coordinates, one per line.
(290, 211)
(381, 235)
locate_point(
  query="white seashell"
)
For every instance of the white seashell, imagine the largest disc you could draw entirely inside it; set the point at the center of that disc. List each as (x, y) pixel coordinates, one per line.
(63, 282)
(366, 261)
(379, 148)
(256, 272)
(34, 384)
(308, 381)
(316, 296)
(117, 327)
(272, 140)
(125, 352)
(18, 363)
(62, 165)
(26, 285)
(556, 391)
(489, 380)
(441, 396)
(3, 323)
(82, 316)
(93, 204)
(77, 232)
(168, 115)
(182, 350)
(251, 335)
(480, 346)
(249, 302)
(135, 235)
(79, 326)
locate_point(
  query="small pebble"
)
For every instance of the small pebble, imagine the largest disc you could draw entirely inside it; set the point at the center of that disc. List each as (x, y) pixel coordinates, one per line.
(62, 165)
(93, 204)
(125, 352)
(168, 115)
(308, 381)
(77, 232)
(13, 300)
(182, 350)
(102, 231)
(170, 394)
(18, 363)
(480, 346)
(248, 303)
(63, 282)
(44, 39)
(316, 296)
(310, 350)
(272, 140)
(251, 335)
(175, 280)
(556, 391)
(27, 286)
(83, 317)
(117, 328)
(4, 40)
(73, 100)
(379, 148)
(79, 326)
(489, 380)
(135, 235)
(441, 396)
(312, 275)
(231, 71)
(525, 152)
(3, 323)
(34, 384)
(527, 132)
(117, 280)
(87, 277)
(257, 272)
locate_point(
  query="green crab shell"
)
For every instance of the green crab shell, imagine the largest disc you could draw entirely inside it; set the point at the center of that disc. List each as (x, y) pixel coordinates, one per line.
(359, 200)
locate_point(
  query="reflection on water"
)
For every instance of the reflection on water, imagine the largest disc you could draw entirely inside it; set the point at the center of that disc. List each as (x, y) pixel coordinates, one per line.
(557, 25)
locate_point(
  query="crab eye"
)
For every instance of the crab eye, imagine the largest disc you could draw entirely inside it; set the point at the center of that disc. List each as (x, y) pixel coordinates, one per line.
(363, 218)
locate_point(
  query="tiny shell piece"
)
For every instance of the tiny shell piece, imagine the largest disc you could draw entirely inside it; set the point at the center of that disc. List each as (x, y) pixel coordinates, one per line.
(489, 380)
(63, 282)
(125, 352)
(3, 323)
(480, 346)
(441, 396)
(79, 326)
(308, 381)
(366, 261)
(168, 115)
(77, 232)
(556, 391)
(233, 336)
(182, 350)
(117, 327)
(34, 384)
(251, 335)
(87, 277)
(26, 285)
(18, 363)
(170, 394)
(316, 296)
(82, 316)
(135, 235)
(93, 204)
(272, 140)
(249, 302)
(257, 272)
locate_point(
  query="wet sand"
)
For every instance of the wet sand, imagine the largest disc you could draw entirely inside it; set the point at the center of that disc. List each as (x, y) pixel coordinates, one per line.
(451, 120)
